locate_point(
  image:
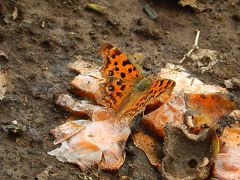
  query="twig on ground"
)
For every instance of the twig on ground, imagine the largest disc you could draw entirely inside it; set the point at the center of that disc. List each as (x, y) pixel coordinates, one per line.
(194, 47)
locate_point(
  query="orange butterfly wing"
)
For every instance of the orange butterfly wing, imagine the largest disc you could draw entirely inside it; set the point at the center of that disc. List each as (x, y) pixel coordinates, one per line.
(121, 75)
(117, 64)
(159, 89)
(114, 92)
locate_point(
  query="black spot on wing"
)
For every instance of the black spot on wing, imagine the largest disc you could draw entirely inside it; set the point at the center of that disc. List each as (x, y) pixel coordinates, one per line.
(123, 87)
(155, 84)
(108, 60)
(143, 98)
(169, 83)
(123, 75)
(124, 63)
(119, 82)
(119, 94)
(161, 82)
(163, 88)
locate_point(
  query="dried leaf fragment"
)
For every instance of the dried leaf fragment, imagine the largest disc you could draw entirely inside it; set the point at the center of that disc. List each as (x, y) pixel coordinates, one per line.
(186, 83)
(192, 3)
(15, 13)
(206, 109)
(3, 84)
(96, 7)
(66, 131)
(98, 143)
(227, 162)
(84, 108)
(233, 83)
(169, 112)
(195, 4)
(150, 146)
(86, 86)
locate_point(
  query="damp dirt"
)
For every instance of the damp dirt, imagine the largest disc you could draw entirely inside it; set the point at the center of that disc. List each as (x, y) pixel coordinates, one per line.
(41, 38)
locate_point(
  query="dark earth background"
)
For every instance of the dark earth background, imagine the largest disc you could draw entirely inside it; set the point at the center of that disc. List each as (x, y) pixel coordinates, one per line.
(38, 57)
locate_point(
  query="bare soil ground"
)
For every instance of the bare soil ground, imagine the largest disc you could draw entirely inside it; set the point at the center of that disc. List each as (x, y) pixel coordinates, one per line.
(47, 34)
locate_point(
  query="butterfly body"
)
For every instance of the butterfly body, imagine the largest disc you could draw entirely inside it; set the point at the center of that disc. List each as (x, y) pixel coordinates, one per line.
(143, 84)
(126, 90)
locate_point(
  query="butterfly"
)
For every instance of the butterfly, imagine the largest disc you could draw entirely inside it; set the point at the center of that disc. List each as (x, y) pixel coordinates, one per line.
(126, 90)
